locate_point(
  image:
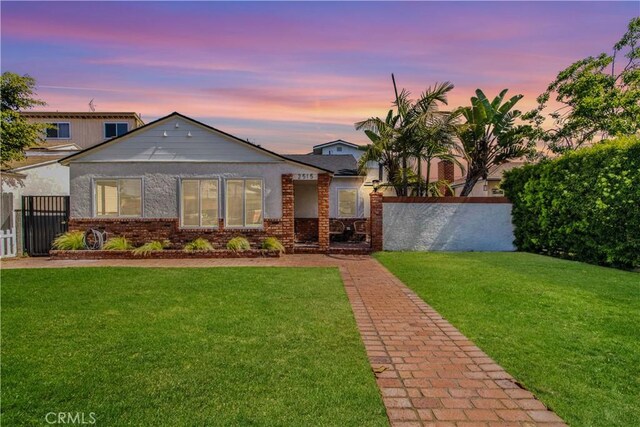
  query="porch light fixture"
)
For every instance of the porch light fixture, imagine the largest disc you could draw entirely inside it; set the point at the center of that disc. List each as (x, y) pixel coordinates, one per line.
(376, 185)
(485, 186)
(189, 134)
(164, 133)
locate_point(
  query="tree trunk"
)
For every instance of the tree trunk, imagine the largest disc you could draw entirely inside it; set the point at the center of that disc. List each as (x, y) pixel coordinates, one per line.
(419, 182)
(404, 175)
(472, 180)
(427, 178)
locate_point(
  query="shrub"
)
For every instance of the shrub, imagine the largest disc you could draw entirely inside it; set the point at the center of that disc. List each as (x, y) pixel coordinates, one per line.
(149, 247)
(272, 244)
(69, 241)
(198, 244)
(238, 244)
(583, 205)
(117, 244)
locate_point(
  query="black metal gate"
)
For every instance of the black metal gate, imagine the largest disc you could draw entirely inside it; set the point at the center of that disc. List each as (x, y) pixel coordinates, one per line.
(43, 219)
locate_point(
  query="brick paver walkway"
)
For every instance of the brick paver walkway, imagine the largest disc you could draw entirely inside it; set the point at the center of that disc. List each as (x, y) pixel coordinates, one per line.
(429, 374)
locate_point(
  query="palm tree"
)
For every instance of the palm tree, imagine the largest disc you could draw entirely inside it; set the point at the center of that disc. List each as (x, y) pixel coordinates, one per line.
(490, 137)
(383, 148)
(436, 140)
(426, 132)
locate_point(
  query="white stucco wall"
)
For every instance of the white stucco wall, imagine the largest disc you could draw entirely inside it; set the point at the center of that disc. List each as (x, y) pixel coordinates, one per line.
(349, 183)
(48, 180)
(447, 227)
(161, 182)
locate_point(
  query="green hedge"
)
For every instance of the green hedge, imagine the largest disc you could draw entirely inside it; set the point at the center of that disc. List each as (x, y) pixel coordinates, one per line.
(584, 205)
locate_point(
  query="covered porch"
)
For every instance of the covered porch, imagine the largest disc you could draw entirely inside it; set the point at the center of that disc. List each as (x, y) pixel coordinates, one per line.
(317, 228)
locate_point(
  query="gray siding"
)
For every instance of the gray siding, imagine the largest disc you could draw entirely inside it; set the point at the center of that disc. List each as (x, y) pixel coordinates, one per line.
(204, 145)
(161, 181)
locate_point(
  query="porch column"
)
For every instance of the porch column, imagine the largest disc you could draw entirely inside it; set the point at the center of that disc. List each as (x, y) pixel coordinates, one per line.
(324, 179)
(375, 216)
(288, 231)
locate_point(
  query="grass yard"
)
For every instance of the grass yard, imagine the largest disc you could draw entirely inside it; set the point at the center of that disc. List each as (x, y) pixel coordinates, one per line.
(223, 346)
(570, 332)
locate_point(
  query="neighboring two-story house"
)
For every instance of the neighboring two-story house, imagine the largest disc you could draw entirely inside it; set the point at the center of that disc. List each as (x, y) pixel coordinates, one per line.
(39, 173)
(68, 132)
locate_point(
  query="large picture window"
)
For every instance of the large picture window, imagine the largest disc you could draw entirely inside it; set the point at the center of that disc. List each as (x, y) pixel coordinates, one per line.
(199, 203)
(61, 130)
(118, 197)
(244, 203)
(347, 203)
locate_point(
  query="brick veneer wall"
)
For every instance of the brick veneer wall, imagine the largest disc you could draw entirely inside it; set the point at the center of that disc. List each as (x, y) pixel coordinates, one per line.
(306, 229)
(323, 210)
(143, 230)
(375, 220)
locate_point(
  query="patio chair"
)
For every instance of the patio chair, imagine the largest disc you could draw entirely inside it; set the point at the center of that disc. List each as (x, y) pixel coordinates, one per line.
(360, 230)
(336, 228)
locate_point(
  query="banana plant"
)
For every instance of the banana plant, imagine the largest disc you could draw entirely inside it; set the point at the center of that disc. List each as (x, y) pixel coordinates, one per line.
(490, 136)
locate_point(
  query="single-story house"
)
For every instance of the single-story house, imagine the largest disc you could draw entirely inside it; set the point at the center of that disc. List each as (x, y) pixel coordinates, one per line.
(178, 179)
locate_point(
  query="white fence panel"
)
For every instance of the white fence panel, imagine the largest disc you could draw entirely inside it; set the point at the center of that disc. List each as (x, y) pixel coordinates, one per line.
(8, 243)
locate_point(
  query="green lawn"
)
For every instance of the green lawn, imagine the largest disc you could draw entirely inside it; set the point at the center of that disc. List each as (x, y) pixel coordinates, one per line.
(570, 332)
(223, 346)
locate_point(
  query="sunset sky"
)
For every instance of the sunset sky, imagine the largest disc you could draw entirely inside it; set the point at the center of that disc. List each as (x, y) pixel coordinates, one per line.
(290, 75)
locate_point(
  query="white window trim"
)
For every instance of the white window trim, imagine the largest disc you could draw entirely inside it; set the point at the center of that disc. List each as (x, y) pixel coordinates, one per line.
(104, 129)
(58, 123)
(338, 189)
(244, 226)
(180, 211)
(94, 202)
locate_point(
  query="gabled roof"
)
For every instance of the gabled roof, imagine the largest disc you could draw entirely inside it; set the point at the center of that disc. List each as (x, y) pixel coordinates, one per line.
(32, 161)
(66, 160)
(340, 165)
(337, 141)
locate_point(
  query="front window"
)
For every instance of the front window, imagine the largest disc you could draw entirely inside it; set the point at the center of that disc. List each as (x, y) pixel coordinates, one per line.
(199, 203)
(118, 197)
(61, 130)
(111, 130)
(347, 203)
(244, 203)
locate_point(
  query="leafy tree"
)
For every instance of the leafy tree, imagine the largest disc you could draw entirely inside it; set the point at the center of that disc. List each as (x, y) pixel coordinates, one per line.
(490, 137)
(599, 98)
(16, 133)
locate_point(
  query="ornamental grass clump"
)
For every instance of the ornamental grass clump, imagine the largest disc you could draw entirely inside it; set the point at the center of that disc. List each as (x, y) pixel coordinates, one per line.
(149, 247)
(272, 244)
(117, 244)
(198, 245)
(69, 241)
(238, 244)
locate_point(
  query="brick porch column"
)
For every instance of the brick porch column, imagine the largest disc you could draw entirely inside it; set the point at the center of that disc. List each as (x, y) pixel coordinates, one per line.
(288, 230)
(375, 217)
(324, 179)
(446, 172)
